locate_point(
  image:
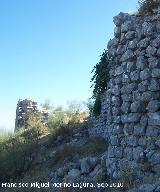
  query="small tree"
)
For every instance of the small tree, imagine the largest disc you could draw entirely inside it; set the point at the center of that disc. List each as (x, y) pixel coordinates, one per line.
(47, 104)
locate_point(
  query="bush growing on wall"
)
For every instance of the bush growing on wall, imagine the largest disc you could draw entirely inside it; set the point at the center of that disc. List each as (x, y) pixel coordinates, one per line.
(99, 81)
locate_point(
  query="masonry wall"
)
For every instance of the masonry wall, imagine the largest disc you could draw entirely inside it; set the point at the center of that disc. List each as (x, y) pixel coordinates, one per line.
(130, 116)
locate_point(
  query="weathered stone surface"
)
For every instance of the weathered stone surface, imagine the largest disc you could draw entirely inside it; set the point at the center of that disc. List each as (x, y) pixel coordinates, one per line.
(135, 75)
(119, 70)
(116, 90)
(144, 43)
(146, 96)
(141, 63)
(155, 158)
(117, 31)
(158, 52)
(132, 140)
(74, 173)
(125, 78)
(120, 18)
(153, 105)
(87, 164)
(153, 62)
(114, 140)
(128, 152)
(136, 107)
(145, 74)
(131, 66)
(151, 51)
(113, 43)
(156, 73)
(131, 117)
(154, 85)
(98, 174)
(147, 188)
(156, 41)
(116, 101)
(128, 129)
(125, 107)
(148, 29)
(130, 35)
(110, 151)
(136, 153)
(118, 152)
(139, 130)
(142, 87)
(117, 129)
(152, 131)
(144, 120)
(115, 110)
(133, 44)
(127, 26)
(127, 56)
(142, 141)
(154, 118)
(126, 97)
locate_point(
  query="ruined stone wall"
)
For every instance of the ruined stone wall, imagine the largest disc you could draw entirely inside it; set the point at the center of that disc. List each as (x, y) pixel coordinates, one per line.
(130, 116)
(23, 111)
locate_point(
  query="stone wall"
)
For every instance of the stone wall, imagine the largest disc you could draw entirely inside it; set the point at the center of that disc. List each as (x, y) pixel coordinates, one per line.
(130, 116)
(24, 109)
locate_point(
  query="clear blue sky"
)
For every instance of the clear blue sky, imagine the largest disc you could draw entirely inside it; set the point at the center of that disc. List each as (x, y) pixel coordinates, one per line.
(49, 47)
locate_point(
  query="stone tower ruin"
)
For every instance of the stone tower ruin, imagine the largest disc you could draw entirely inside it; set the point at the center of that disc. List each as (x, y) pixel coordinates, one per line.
(24, 109)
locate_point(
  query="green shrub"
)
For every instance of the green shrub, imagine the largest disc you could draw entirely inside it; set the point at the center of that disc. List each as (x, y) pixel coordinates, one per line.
(16, 150)
(97, 106)
(99, 80)
(147, 6)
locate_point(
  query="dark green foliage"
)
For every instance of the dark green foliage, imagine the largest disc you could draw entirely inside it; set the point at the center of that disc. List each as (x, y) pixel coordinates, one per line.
(147, 6)
(97, 107)
(100, 76)
(99, 80)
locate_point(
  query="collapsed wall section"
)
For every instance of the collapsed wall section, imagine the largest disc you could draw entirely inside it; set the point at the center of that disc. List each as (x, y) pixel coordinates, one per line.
(130, 115)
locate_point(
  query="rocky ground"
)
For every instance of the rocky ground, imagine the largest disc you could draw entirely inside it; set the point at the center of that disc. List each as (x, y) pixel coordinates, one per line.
(78, 159)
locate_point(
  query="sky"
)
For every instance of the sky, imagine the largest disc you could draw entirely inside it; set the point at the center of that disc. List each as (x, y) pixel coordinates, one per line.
(49, 47)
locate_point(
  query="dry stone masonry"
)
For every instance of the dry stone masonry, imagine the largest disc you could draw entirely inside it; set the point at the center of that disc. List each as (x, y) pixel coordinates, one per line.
(130, 114)
(24, 109)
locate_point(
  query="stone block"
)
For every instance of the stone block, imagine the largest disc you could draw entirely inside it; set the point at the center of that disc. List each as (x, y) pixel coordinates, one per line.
(145, 74)
(154, 85)
(125, 107)
(139, 130)
(141, 63)
(136, 153)
(151, 51)
(127, 56)
(132, 140)
(153, 106)
(152, 131)
(154, 118)
(137, 107)
(153, 62)
(135, 76)
(156, 73)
